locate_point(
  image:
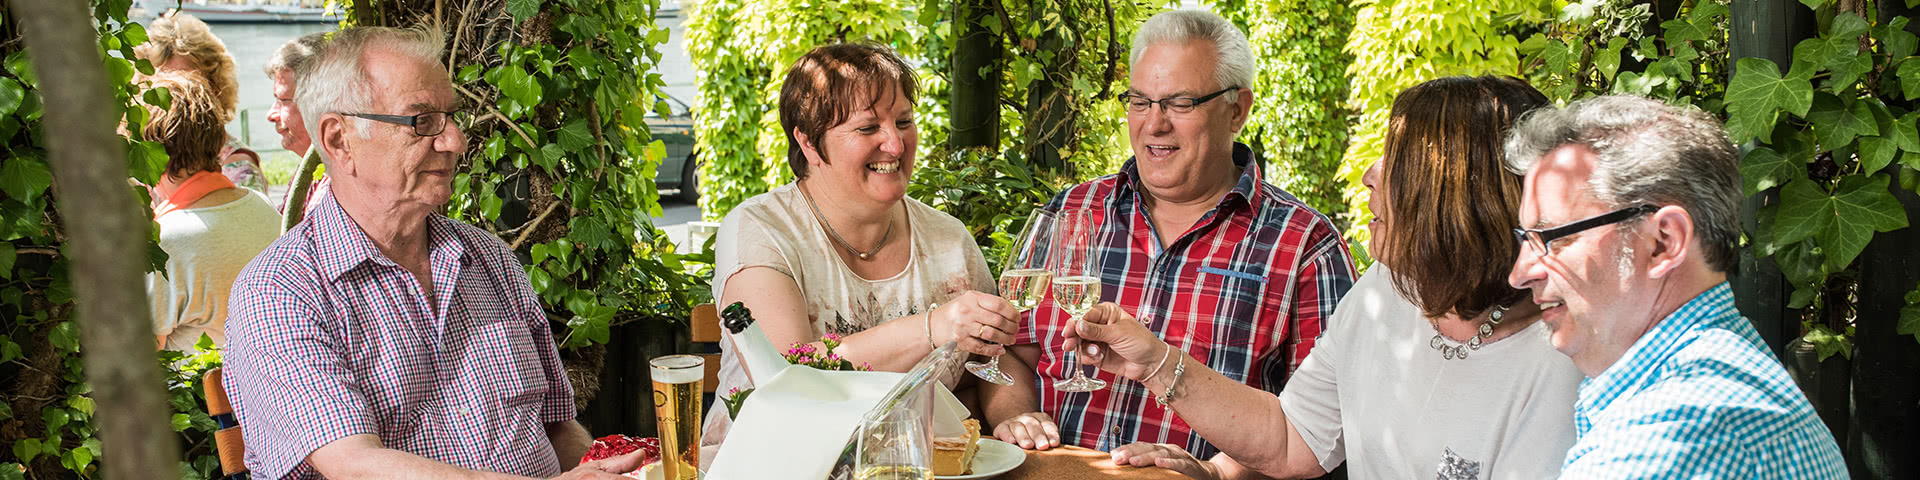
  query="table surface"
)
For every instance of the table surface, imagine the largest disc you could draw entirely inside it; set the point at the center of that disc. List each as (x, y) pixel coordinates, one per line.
(1075, 463)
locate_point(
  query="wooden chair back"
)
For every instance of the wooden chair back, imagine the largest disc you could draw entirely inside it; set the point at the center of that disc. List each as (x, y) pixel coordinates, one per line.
(227, 441)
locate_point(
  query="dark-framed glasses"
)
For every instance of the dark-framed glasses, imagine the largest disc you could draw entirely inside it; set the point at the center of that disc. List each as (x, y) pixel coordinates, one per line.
(1137, 103)
(1540, 240)
(425, 124)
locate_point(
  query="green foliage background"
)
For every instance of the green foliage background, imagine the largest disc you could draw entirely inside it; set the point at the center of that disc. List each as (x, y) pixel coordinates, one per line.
(1299, 121)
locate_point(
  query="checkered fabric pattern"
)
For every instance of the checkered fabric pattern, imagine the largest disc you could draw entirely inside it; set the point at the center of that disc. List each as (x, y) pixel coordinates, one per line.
(330, 338)
(1700, 396)
(1245, 290)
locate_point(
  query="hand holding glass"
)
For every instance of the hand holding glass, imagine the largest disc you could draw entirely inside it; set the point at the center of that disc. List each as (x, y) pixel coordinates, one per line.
(1023, 280)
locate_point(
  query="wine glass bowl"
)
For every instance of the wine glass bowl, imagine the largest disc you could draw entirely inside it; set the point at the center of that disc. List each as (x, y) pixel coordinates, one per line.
(1076, 281)
(893, 446)
(1023, 280)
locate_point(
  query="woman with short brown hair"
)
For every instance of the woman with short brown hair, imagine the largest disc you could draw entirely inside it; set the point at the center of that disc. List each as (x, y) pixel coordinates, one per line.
(1432, 366)
(177, 42)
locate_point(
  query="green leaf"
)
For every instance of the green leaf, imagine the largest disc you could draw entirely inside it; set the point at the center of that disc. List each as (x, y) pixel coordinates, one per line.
(8, 350)
(1910, 316)
(135, 34)
(1758, 93)
(25, 449)
(1827, 343)
(518, 85)
(522, 9)
(1895, 40)
(6, 411)
(80, 457)
(159, 97)
(1910, 77)
(23, 177)
(65, 337)
(7, 257)
(1607, 60)
(1876, 153)
(55, 417)
(181, 422)
(1844, 222)
(11, 94)
(575, 137)
(1836, 122)
(1815, 4)
(1764, 168)
(1905, 132)
(82, 404)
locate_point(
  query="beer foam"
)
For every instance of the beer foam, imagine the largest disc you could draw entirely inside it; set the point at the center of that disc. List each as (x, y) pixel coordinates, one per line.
(678, 369)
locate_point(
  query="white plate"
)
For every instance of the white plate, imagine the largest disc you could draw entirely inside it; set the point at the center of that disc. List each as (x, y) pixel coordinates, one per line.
(994, 458)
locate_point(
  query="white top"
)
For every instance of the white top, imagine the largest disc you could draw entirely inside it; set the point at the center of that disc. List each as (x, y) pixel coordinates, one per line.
(1375, 394)
(206, 248)
(777, 230)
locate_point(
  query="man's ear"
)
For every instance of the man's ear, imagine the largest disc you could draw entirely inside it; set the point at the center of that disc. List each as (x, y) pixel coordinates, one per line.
(1672, 240)
(1242, 108)
(806, 148)
(332, 140)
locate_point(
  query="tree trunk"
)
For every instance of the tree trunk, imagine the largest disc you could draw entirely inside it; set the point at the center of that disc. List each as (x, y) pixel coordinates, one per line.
(1050, 116)
(976, 96)
(90, 181)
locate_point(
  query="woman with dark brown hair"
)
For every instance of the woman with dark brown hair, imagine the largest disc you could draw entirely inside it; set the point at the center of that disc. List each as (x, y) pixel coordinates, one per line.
(1432, 366)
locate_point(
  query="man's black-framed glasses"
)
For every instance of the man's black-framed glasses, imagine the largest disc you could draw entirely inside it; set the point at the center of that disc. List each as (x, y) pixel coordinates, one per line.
(425, 124)
(1139, 103)
(1540, 240)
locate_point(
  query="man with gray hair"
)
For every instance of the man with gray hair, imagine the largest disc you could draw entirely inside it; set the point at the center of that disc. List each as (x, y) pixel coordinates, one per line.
(285, 113)
(378, 338)
(1633, 212)
(1217, 262)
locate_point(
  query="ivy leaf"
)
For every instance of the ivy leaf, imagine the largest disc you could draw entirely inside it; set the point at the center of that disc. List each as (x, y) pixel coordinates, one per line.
(11, 94)
(80, 457)
(8, 349)
(522, 9)
(1756, 95)
(181, 422)
(65, 337)
(7, 256)
(1910, 77)
(1764, 168)
(26, 448)
(55, 417)
(1846, 73)
(1875, 153)
(1844, 222)
(1895, 40)
(6, 411)
(1608, 60)
(1905, 132)
(23, 177)
(1827, 343)
(575, 137)
(1910, 316)
(1837, 122)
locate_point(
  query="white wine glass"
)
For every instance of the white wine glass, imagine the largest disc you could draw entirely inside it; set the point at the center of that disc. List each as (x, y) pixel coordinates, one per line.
(1076, 281)
(893, 446)
(1023, 280)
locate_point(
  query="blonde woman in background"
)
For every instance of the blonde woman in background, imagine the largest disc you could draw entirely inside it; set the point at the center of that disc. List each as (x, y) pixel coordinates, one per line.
(181, 43)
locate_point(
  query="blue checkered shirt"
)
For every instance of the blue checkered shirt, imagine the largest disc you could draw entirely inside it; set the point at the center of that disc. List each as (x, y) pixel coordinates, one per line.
(1699, 396)
(329, 338)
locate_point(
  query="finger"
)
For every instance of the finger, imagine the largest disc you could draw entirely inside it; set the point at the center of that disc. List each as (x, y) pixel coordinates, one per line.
(1049, 430)
(622, 463)
(1000, 307)
(1135, 454)
(1184, 465)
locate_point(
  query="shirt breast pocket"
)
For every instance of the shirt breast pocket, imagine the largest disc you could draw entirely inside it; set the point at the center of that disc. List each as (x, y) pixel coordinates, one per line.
(506, 364)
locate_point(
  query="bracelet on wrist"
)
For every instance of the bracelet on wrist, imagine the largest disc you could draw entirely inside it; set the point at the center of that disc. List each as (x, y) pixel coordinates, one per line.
(1179, 369)
(929, 322)
(1156, 368)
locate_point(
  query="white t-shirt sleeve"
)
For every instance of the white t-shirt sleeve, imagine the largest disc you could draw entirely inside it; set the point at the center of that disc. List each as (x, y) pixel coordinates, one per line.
(744, 241)
(1311, 398)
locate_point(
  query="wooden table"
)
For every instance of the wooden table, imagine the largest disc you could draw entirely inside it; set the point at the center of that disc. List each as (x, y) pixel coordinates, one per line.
(1075, 463)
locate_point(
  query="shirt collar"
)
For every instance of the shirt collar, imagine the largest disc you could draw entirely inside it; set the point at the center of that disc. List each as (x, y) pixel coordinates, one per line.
(1645, 356)
(342, 245)
(1246, 190)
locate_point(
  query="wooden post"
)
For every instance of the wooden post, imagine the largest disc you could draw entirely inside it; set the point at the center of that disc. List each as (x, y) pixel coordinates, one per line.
(1765, 29)
(105, 231)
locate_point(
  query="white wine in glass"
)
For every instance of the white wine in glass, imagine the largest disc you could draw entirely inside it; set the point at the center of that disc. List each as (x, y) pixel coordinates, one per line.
(1023, 280)
(1076, 281)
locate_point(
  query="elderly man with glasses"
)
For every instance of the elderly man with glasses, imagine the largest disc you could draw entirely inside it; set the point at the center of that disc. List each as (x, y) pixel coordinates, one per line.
(378, 338)
(1634, 209)
(1215, 261)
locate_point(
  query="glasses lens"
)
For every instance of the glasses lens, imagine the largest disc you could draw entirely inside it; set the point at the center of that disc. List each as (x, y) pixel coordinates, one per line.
(429, 124)
(1136, 102)
(1180, 104)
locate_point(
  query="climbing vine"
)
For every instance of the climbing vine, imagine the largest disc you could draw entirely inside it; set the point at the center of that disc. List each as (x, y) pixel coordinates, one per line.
(1299, 121)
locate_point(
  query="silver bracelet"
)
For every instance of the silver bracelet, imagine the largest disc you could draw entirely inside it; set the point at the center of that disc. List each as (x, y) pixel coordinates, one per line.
(929, 321)
(1156, 368)
(1179, 368)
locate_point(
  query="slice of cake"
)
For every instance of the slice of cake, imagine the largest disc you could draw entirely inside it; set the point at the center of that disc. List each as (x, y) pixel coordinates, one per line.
(954, 455)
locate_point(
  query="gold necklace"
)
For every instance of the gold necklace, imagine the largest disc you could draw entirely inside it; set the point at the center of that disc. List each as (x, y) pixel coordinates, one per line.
(867, 255)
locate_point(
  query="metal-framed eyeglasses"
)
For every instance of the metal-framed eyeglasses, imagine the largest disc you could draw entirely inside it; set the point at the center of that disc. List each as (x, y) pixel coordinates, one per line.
(1540, 240)
(1137, 103)
(425, 124)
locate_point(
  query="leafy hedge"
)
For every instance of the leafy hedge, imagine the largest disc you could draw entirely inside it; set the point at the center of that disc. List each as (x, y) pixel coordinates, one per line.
(1299, 121)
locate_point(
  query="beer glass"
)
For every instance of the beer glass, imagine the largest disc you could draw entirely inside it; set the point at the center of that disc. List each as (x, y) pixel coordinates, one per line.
(676, 408)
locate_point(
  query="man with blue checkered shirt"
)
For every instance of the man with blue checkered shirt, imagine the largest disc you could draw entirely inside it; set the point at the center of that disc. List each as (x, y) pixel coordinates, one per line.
(379, 338)
(1631, 212)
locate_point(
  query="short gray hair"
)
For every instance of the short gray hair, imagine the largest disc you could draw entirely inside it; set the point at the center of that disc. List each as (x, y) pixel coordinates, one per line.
(295, 52)
(1647, 152)
(334, 80)
(1233, 67)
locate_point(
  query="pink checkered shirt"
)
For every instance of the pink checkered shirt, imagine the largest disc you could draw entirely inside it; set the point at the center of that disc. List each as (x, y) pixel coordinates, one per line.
(330, 338)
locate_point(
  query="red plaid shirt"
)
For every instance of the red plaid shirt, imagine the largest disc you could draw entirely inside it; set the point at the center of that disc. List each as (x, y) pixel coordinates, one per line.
(330, 338)
(1244, 290)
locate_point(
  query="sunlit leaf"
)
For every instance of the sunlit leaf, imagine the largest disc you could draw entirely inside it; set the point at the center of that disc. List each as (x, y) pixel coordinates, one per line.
(1764, 168)
(1843, 222)
(1758, 93)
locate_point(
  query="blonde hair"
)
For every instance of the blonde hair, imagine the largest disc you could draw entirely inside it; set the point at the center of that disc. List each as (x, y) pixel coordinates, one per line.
(191, 127)
(183, 35)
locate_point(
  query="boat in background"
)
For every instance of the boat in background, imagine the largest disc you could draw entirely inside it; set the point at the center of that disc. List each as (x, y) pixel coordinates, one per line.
(249, 11)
